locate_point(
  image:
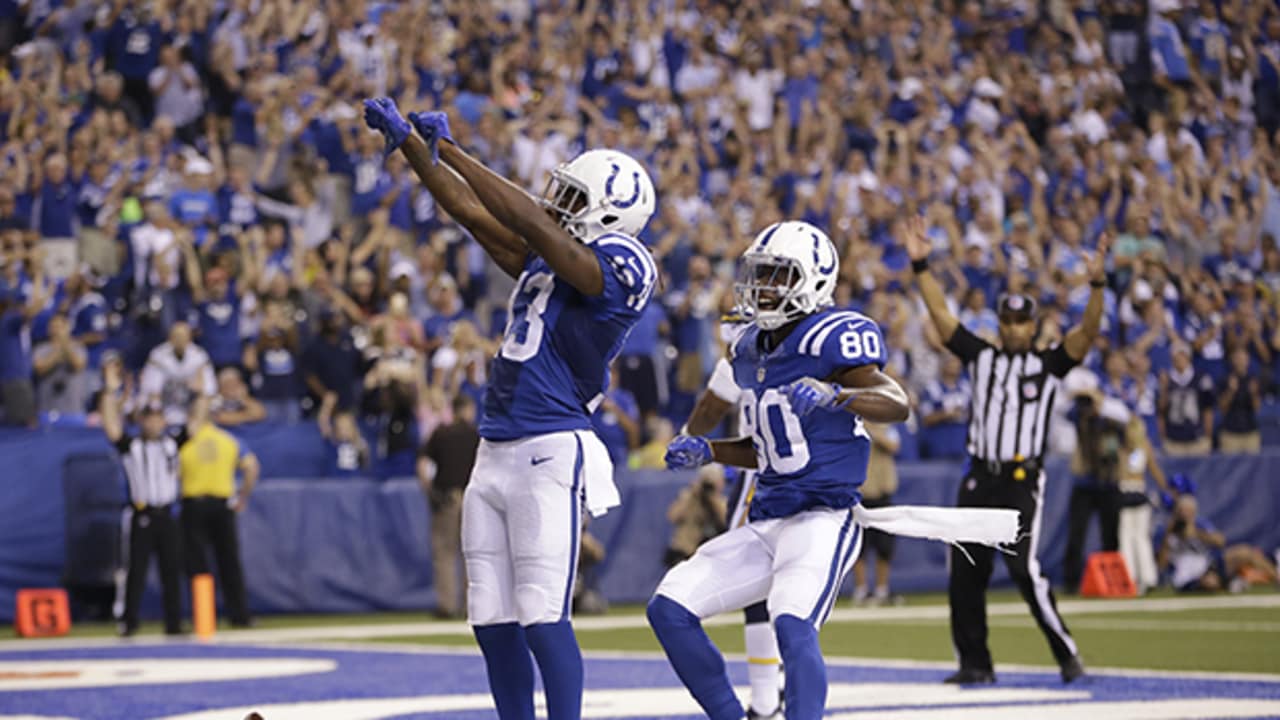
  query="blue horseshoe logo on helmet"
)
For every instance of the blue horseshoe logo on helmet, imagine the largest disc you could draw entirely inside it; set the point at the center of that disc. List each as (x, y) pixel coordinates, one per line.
(635, 193)
(818, 261)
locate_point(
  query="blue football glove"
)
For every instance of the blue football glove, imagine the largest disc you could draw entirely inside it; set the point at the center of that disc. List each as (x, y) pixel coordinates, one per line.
(381, 114)
(688, 451)
(433, 127)
(807, 394)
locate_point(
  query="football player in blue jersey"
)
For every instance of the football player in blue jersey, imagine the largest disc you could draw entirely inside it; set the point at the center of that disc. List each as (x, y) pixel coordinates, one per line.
(809, 374)
(583, 280)
(722, 397)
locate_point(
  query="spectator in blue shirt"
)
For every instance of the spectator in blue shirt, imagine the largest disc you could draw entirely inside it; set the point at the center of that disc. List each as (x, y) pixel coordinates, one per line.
(16, 390)
(55, 217)
(331, 365)
(274, 375)
(944, 412)
(88, 313)
(133, 50)
(217, 300)
(194, 204)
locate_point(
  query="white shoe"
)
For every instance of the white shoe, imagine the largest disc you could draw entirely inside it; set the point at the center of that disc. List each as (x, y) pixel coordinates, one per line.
(861, 595)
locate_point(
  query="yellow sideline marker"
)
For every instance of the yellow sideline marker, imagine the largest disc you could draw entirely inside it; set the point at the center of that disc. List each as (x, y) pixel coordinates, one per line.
(203, 611)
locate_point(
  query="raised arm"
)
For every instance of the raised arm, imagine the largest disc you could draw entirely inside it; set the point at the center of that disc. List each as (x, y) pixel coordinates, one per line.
(109, 404)
(1080, 338)
(935, 300)
(519, 212)
(460, 201)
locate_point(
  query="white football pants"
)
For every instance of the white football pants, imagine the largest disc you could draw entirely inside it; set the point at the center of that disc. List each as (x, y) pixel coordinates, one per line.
(521, 526)
(796, 563)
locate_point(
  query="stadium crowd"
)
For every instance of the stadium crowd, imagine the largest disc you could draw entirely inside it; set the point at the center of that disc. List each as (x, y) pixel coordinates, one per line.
(187, 189)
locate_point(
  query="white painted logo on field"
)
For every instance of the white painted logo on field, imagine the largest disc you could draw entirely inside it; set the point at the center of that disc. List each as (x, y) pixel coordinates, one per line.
(71, 674)
(848, 701)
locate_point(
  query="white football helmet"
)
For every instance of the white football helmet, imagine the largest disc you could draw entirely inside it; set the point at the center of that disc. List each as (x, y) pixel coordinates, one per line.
(600, 191)
(789, 271)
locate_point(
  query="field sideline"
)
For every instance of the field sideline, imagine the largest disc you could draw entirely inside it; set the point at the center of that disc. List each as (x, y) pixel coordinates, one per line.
(1235, 633)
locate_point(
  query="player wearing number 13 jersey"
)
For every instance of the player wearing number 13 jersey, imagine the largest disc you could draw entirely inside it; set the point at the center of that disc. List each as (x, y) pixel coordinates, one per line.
(583, 280)
(808, 375)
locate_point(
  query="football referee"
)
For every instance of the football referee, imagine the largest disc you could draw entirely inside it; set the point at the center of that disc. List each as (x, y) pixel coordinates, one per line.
(150, 462)
(1014, 387)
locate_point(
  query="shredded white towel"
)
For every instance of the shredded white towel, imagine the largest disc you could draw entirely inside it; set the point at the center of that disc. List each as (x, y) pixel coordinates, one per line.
(597, 475)
(985, 526)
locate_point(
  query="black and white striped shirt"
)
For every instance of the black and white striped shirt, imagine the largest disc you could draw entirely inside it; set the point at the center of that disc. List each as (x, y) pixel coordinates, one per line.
(151, 467)
(1013, 395)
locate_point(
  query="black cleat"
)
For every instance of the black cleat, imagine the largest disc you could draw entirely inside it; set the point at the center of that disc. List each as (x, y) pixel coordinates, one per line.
(1072, 669)
(753, 715)
(969, 676)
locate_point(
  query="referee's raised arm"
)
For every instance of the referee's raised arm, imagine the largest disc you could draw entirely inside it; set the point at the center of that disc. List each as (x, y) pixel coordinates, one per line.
(935, 300)
(1080, 338)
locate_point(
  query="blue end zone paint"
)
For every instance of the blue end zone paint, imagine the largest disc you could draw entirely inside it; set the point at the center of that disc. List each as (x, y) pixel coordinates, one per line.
(392, 674)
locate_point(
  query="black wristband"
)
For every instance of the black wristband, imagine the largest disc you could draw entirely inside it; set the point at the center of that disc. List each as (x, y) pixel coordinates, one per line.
(1098, 283)
(919, 266)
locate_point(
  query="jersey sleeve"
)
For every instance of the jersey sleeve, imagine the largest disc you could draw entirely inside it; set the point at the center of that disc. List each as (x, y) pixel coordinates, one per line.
(722, 384)
(965, 345)
(1058, 361)
(846, 340)
(629, 273)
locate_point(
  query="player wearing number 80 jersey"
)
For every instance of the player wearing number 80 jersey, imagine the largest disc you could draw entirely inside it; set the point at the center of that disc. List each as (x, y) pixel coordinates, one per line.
(807, 375)
(821, 459)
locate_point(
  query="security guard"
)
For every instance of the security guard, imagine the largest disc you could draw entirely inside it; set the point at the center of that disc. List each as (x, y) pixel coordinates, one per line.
(209, 461)
(150, 462)
(1014, 387)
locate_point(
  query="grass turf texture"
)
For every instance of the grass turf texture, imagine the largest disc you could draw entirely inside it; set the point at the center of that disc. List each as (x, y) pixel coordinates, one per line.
(1236, 639)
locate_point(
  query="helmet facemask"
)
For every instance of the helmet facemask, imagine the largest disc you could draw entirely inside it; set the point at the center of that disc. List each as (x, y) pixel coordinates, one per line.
(566, 199)
(769, 289)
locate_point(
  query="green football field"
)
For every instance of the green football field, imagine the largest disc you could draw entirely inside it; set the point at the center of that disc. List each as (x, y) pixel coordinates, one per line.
(1163, 631)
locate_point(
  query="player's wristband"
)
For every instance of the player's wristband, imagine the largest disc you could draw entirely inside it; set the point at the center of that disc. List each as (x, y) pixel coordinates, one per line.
(919, 266)
(1100, 284)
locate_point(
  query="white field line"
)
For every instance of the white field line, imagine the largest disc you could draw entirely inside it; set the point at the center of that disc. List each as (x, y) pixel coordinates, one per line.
(1069, 608)
(1149, 625)
(831, 660)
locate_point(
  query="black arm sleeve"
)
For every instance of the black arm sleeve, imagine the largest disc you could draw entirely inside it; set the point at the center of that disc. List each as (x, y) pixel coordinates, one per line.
(1058, 361)
(965, 345)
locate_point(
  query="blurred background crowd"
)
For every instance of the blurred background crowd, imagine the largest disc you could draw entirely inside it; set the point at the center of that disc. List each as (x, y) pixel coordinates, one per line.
(187, 189)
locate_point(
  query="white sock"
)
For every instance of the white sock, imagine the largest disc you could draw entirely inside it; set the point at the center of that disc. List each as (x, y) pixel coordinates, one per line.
(763, 663)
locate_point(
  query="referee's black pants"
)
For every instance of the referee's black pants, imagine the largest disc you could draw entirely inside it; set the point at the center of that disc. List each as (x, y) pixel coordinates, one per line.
(968, 585)
(209, 524)
(153, 529)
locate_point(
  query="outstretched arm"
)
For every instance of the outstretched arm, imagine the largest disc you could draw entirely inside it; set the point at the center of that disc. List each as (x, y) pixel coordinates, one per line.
(868, 392)
(935, 300)
(520, 213)
(1080, 338)
(457, 198)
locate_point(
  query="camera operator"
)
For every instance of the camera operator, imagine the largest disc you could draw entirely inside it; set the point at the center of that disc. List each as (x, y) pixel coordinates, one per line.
(1095, 468)
(698, 514)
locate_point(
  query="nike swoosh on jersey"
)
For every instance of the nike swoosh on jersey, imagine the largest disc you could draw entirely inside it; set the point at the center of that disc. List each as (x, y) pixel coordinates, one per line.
(539, 460)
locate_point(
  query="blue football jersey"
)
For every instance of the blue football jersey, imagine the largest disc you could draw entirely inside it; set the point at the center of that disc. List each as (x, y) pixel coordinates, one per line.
(815, 461)
(554, 362)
